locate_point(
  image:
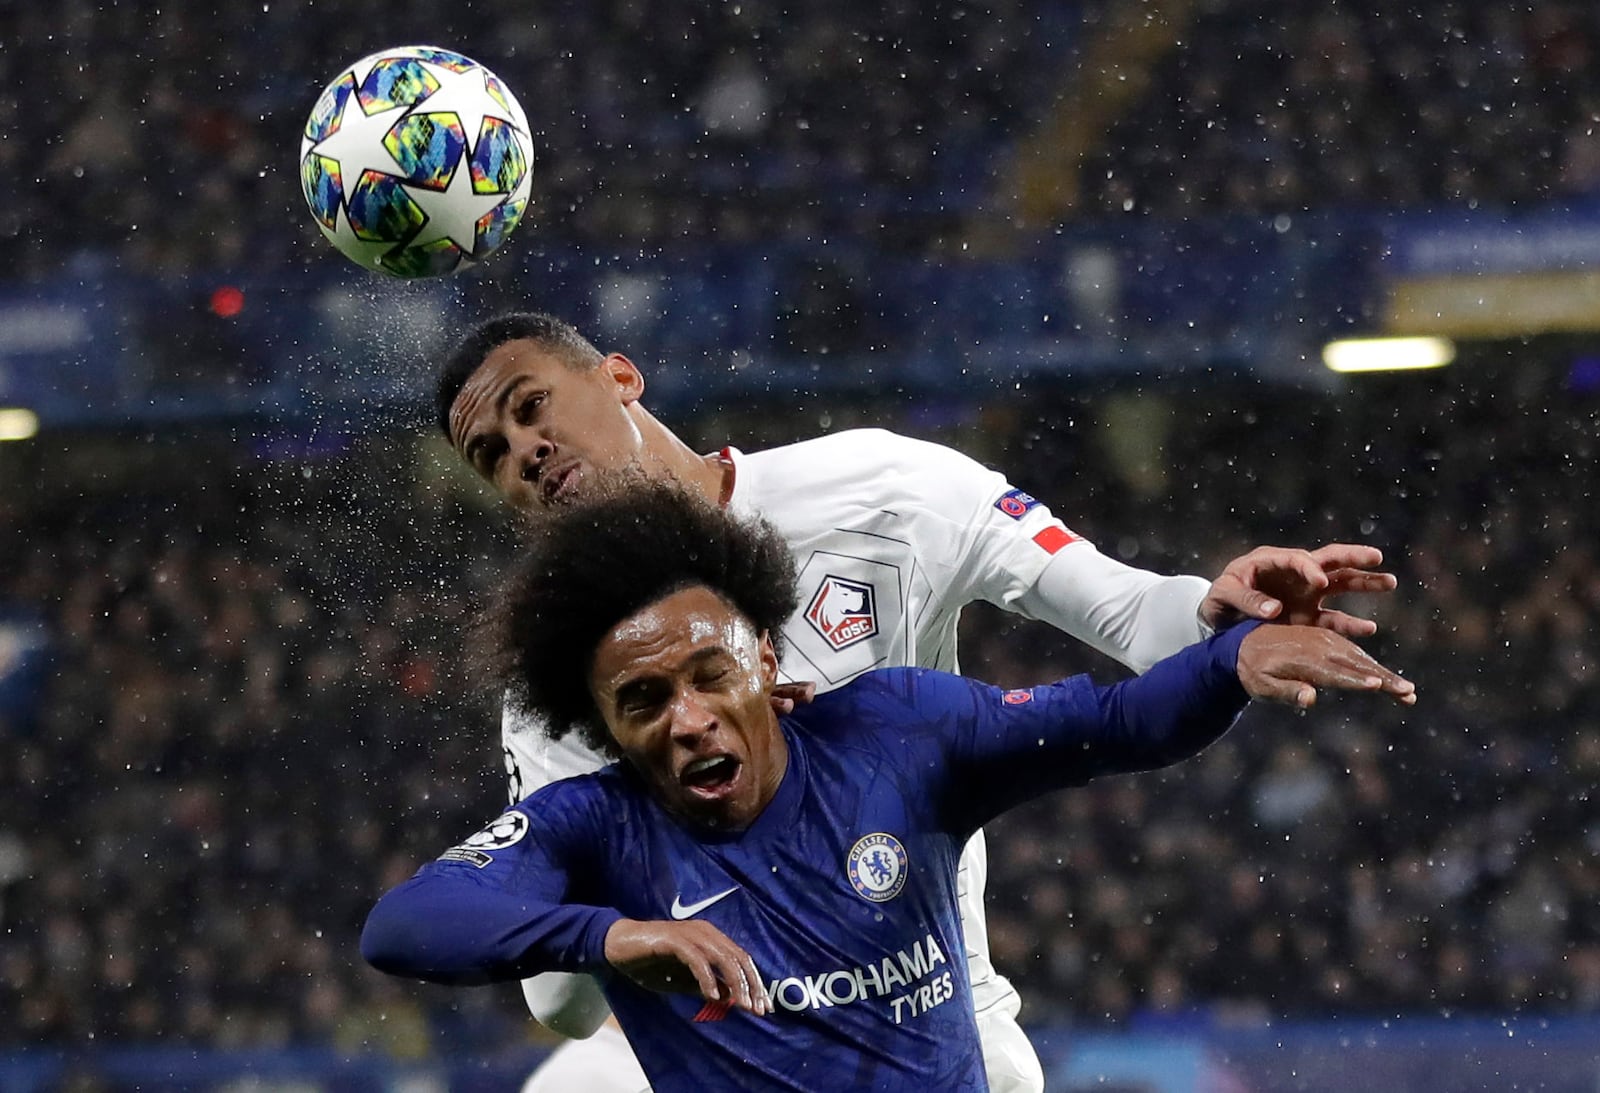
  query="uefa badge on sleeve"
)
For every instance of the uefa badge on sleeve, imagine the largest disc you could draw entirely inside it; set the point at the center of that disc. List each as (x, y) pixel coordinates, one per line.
(1016, 504)
(877, 867)
(505, 831)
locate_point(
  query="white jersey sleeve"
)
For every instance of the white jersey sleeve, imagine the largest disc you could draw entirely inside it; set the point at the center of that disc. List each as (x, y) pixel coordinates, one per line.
(534, 760)
(571, 1005)
(1019, 556)
(1130, 614)
(966, 534)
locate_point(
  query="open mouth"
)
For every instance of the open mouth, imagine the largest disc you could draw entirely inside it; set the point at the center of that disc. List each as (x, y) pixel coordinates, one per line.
(712, 776)
(558, 483)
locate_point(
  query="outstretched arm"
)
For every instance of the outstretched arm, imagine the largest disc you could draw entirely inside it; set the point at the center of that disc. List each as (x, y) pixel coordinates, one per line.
(1138, 617)
(1006, 747)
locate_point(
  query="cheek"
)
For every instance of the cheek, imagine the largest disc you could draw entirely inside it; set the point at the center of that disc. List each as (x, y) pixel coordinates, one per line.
(645, 745)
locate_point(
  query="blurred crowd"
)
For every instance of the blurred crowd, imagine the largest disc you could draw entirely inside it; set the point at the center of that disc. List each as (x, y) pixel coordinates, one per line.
(245, 733)
(166, 139)
(258, 718)
(1358, 858)
(1268, 107)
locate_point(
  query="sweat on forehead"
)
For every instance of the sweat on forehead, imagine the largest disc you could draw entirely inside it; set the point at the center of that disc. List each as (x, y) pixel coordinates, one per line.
(688, 619)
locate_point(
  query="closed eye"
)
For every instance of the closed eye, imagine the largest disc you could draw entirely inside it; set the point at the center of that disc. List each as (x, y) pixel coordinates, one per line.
(528, 407)
(640, 698)
(484, 453)
(711, 675)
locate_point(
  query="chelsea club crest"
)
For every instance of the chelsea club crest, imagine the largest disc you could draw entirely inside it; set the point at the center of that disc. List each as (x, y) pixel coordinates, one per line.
(877, 867)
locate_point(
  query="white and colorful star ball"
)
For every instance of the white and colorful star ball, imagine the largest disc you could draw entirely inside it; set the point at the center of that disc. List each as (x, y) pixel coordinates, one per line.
(416, 161)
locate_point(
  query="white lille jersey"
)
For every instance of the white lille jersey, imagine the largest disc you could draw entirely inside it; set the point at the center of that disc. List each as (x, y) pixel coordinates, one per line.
(891, 538)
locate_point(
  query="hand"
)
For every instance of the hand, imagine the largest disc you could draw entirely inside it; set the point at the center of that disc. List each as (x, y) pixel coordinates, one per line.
(786, 696)
(1280, 584)
(686, 958)
(1285, 663)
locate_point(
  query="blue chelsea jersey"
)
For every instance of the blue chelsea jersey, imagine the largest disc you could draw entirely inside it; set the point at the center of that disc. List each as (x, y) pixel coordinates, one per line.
(843, 890)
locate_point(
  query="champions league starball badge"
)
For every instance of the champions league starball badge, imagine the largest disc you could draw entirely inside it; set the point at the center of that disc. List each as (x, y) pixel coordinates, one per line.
(505, 831)
(877, 867)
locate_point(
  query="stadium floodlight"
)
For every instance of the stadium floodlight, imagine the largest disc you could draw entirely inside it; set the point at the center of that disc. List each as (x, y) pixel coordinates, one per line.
(17, 423)
(1387, 354)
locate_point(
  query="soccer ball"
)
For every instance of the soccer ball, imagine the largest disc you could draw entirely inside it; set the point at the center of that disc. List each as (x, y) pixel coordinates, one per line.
(416, 161)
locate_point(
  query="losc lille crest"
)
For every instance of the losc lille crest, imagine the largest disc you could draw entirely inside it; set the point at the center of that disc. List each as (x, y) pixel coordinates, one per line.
(843, 611)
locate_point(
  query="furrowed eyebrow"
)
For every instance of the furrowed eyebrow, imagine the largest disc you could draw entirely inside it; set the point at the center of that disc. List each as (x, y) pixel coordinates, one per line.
(630, 687)
(511, 389)
(475, 442)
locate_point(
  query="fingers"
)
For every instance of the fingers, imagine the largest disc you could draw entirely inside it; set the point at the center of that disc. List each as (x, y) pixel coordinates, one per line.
(1347, 555)
(1251, 586)
(1360, 580)
(739, 982)
(786, 696)
(705, 976)
(722, 969)
(1310, 570)
(1250, 602)
(1289, 663)
(755, 999)
(1231, 599)
(1289, 692)
(1350, 668)
(1263, 561)
(1348, 625)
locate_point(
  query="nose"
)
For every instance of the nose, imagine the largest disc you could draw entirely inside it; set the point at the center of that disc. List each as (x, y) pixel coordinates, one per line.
(532, 453)
(691, 720)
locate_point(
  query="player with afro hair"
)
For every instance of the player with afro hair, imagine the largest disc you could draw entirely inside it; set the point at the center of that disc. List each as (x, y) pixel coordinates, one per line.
(572, 586)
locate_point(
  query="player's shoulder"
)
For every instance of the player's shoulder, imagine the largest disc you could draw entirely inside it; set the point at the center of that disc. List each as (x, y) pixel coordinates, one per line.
(601, 792)
(883, 696)
(862, 463)
(853, 449)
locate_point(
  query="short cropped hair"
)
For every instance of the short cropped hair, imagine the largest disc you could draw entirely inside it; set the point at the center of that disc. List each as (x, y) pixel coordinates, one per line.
(593, 564)
(559, 337)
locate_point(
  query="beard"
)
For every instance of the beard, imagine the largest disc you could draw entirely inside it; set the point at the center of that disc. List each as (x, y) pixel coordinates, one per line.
(595, 486)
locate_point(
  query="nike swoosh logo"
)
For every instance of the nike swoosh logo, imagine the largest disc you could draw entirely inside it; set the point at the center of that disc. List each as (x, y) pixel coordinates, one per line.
(681, 910)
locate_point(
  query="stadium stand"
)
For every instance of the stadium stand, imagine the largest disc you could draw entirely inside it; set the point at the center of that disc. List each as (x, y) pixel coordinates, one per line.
(653, 121)
(252, 713)
(1261, 107)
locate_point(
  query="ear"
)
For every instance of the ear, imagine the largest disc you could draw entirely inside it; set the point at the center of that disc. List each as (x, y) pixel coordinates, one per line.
(625, 377)
(769, 662)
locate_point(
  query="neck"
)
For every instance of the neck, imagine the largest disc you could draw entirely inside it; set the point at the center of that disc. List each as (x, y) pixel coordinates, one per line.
(706, 475)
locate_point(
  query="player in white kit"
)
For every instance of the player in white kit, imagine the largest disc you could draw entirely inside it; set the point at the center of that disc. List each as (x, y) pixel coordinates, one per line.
(892, 537)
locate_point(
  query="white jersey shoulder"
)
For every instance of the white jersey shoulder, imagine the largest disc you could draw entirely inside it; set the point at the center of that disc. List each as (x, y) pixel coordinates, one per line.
(891, 537)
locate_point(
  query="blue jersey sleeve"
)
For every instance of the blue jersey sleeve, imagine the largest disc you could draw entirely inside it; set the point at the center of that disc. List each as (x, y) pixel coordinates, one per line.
(1001, 748)
(496, 906)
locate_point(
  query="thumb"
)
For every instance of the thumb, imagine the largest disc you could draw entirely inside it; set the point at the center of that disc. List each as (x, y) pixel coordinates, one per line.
(1250, 603)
